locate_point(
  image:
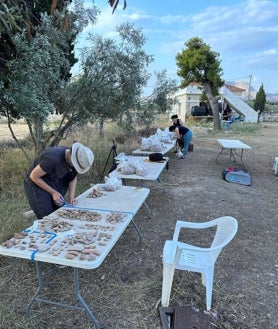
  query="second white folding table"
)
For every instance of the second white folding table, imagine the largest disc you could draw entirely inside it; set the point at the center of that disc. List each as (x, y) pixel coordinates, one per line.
(166, 147)
(153, 169)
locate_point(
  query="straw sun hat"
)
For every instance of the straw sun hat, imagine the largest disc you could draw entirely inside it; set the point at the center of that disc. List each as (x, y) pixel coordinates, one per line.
(82, 157)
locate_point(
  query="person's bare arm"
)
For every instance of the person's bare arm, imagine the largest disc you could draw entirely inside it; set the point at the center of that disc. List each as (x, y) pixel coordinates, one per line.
(177, 132)
(72, 186)
(36, 176)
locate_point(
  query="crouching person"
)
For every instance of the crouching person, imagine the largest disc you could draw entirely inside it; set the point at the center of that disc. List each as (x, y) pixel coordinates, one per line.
(185, 134)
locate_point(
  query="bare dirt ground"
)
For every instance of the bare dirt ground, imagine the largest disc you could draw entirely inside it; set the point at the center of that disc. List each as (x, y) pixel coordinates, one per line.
(124, 291)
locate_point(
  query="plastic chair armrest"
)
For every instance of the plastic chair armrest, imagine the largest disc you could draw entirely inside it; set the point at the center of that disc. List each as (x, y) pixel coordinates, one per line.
(183, 224)
(169, 251)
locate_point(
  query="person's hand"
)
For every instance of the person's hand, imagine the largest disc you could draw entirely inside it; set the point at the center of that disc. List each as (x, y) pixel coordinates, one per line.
(73, 201)
(58, 199)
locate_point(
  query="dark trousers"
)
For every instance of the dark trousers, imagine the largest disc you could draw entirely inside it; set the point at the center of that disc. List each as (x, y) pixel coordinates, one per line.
(40, 201)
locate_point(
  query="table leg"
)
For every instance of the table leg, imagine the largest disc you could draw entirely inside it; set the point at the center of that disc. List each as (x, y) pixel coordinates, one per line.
(232, 155)
(218, 155)
(81, 300)
(40, 283)
(36, 297)
(161, 182)
(240, 155)
(137, 230)
(148, 208)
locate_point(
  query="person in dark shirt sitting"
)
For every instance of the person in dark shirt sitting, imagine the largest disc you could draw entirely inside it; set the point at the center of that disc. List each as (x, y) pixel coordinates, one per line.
(53, 173)
(185, 134)
(227, 113)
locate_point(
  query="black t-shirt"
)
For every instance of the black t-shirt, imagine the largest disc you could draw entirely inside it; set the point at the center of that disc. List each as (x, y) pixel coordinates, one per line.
(183, 130)
(53, 162)
(177, 124)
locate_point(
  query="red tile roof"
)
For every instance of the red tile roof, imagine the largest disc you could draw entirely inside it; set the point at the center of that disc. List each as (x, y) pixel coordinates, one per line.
(233, 88)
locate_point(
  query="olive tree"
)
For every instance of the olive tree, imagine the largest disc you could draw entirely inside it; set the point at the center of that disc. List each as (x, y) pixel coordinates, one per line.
(198, 63)
(38, 74)
(114, 71)
(35, 80)
(159, 101)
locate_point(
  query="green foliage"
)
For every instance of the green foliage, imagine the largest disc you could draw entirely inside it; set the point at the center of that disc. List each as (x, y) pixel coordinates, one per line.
(113, 78)
(159, 102)
(198, 63)
(110, 87)
(260, 100)
(10, 17)
(35, 78)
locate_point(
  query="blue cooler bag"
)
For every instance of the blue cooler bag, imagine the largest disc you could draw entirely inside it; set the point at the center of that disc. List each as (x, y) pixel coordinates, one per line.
(239, 176)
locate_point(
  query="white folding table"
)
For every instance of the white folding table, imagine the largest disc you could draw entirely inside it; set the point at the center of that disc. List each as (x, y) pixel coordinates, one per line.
(98, 221)
(233, 146)
(153, 169)
(166, 148)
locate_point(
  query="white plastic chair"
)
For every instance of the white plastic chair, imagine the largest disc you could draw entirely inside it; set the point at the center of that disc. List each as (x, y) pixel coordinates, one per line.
(275, 166)
(183, 256)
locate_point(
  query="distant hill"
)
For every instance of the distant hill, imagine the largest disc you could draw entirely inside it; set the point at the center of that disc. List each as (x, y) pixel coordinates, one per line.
(245, 85)
(272, 97)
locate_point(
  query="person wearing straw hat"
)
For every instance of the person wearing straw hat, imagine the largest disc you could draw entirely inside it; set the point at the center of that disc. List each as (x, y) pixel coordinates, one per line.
(53, 174)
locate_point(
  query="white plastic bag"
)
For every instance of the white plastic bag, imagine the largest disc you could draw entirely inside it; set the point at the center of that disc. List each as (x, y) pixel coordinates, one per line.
(145, 143)
(179, 154)
(126, 167)
(141, 171)
(111, 183)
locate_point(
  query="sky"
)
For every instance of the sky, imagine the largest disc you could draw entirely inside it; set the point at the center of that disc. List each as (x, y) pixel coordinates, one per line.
(243, 32)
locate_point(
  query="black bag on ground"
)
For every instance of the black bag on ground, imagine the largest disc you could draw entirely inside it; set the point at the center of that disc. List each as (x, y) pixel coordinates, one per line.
(155, 157)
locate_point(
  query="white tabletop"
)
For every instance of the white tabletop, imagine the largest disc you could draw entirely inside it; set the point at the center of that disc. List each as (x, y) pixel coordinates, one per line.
(233, 144)
(126, 198)
(154, 169)
(166, 148)
(100, 229)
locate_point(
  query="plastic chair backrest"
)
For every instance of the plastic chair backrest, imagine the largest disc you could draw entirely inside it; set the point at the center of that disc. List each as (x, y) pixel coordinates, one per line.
(190, 254)
(226, 230)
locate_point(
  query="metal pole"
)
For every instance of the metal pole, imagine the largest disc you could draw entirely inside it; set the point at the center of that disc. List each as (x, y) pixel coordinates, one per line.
(249, 88)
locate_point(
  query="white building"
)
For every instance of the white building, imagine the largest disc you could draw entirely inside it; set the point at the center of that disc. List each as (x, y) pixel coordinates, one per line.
(190, 96)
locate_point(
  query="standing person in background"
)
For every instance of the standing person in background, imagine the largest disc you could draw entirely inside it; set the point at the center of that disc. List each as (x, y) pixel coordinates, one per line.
(227, 113)
(185, 134)
(53, 173)
(177, 123)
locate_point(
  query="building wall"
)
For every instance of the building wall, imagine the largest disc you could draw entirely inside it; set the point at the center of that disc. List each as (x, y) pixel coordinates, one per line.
(186, 99)
(189, 97)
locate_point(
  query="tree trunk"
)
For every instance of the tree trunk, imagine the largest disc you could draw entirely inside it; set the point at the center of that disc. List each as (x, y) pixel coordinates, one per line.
(100, 128)
(214, 105)
(38, 133)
